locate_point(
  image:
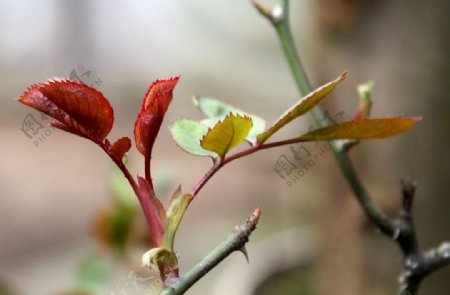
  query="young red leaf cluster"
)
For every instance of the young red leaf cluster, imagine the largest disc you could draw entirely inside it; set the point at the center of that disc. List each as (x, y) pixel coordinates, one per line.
(84, 111)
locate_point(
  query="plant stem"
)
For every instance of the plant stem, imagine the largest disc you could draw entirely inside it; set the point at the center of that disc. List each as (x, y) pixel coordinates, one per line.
(216, 167)
(282, 27)
(146, 203)
(219, 163)
(417, 264)
(234, 242)
(287, 42)
(147, 168)
(122, 168)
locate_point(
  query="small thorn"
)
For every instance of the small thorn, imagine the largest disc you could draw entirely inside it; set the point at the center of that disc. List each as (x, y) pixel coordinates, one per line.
(244, 251)
(408, 191)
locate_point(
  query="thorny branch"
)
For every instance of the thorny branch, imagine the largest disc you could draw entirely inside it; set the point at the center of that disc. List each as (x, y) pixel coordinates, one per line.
(417, 263)
(234, 242)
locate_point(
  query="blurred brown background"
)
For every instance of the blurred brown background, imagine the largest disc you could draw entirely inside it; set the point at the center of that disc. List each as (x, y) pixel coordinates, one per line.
(53, 184)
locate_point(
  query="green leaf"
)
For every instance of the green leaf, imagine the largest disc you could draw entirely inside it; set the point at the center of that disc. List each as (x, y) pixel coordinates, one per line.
(187, 134)
(217, 110)
(302, 107)
(227, 134)
(175, 212)
(361, 129)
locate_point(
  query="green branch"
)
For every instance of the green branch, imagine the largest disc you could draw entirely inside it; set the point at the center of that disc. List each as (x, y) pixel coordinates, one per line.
(279, 18)
(417, 263)
(234, 242)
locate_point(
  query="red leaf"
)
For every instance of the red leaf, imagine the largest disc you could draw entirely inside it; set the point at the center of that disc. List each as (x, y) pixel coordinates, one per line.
(120, 147)
(154, 107)
(75, 107)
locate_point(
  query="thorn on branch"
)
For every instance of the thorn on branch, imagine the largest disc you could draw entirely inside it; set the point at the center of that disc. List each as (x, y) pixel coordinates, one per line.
(408, 191)
(404, 224)
(245, 252)
(234, 242)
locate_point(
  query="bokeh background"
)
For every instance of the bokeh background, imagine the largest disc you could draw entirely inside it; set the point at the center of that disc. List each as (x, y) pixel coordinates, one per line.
(312, 238)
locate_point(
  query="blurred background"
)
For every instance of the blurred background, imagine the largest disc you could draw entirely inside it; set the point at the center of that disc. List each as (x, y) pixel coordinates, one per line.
(68, 222)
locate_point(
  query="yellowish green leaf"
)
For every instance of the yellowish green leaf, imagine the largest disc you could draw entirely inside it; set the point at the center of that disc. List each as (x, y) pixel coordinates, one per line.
(302, 107)
(361, 129)
(175, 212)
(217, 110)
(227, 134)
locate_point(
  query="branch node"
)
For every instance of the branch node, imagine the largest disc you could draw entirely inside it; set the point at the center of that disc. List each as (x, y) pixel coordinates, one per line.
(444, 250)
(234, 242)
(408, 191)
(345, 145)
(275, 15)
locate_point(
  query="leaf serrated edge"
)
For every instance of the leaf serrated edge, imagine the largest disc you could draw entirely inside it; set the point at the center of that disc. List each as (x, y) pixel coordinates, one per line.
(210, 129)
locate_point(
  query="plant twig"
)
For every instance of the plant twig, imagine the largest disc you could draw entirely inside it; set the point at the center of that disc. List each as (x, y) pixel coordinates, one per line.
(282, 27)
(122, 168)
(145, 202)
(219, 163)
(216, 167)
(417, 264)
(234, 242)
(147, 169)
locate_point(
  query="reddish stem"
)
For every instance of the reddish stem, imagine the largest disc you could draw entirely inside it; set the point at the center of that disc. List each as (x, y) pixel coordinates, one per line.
(280, 143)
(122, 168)
(217, 165)
(146, 204)
(222, 162)
(148, 174)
